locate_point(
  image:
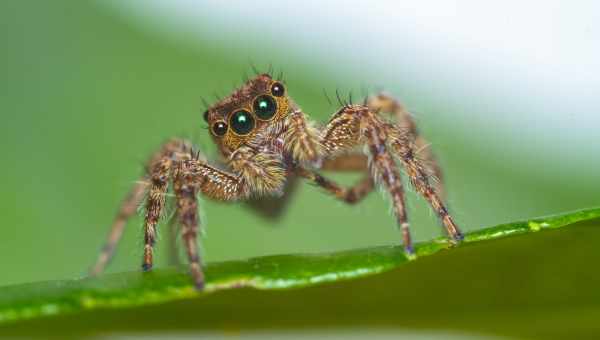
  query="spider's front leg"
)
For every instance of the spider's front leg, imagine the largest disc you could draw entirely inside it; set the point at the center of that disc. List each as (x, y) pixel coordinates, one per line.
(254, 173)
(303, 142)
(404, 122)
(356, 125)
(174, 149)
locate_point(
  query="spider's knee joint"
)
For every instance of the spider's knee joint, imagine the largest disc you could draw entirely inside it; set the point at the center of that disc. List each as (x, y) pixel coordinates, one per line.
(351, 197)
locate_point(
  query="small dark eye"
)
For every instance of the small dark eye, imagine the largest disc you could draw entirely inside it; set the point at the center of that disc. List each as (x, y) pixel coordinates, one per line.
(242, 122)
(205, 116)
(219, 128)
(265, 107)
(277, 89)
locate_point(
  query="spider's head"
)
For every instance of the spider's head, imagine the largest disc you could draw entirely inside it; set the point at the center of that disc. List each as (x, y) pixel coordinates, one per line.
(248, 116)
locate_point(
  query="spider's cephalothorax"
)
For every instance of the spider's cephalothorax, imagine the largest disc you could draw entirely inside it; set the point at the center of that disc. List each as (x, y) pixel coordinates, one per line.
(266, 142)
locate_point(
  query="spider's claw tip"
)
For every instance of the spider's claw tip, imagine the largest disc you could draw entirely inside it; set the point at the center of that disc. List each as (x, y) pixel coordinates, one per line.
(199, 285)
(146, 267)
(409, 251)
(457, 238)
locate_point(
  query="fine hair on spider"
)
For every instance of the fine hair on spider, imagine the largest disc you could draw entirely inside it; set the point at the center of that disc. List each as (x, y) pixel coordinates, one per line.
(266, 144)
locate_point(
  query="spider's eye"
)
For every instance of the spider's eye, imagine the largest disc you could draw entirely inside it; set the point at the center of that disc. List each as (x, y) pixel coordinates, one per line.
(242, 122)
(277, 89)
(205, 115)
(219, 128)
(265, 107)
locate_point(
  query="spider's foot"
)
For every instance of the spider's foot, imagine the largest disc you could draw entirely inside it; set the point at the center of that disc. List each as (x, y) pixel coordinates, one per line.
(409, 252)
(198, 276)
(457, 238)
(199, 285)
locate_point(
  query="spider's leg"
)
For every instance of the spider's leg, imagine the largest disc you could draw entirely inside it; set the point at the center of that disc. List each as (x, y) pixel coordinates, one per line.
(187, 213)
(383, 102)
(174, 148)
(154, 207)
(302, 141)
(355, 125)
(254, 173)
(346, 163)
(404, 147)
(351, 195)
(385, 169)
(127, 209)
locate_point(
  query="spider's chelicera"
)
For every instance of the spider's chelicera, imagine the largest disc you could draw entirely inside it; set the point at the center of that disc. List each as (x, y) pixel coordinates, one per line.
(266, 141)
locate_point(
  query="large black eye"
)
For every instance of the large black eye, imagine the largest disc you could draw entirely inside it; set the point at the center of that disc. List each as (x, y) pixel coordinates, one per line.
(242, 122)
(265, 107)
(219, 128)
(277, 89)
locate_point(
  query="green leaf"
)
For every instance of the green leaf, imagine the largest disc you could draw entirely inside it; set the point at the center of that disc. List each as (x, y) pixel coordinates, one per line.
(523, 278)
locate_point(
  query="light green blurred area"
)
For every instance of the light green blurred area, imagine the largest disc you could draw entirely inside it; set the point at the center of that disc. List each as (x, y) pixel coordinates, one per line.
(86, 97)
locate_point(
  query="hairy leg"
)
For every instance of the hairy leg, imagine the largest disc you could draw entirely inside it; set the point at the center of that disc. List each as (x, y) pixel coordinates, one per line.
(174, 148)
(355, 125)
(127, 209)
(273, 207)
(159, 178)
(351, 195)
(404, 147)
(187, 212)
(403, 120)
(386, 171)
(255, 173)
(346, 163)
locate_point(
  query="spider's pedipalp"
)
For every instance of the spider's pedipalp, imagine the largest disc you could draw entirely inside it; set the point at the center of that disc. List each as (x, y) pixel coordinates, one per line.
(301, 139)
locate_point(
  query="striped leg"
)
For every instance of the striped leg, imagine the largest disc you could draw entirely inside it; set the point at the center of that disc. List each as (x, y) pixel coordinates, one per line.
(173, 149)
(405, 122)
(128, 208)
(419, 178)
(354, 125)
(351, 195)
(154, 207)
(385, 169)
(187, 212)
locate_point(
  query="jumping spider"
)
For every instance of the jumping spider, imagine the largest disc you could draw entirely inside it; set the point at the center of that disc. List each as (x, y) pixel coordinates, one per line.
(266, 140)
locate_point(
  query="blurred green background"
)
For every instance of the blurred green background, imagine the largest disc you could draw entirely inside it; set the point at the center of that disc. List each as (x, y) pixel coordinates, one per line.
(86, 96)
